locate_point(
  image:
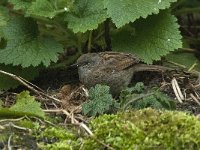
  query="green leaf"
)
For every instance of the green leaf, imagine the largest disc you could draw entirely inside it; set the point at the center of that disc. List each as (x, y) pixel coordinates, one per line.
(125, 11)
(8, 82)
(100, 100)
(61, 4)
(138, 98)
(157, 100)
(42, 8)
(4, 16)
(154, 37)
(27, 104)
(20, 4)
(24, 47)
(86, 16)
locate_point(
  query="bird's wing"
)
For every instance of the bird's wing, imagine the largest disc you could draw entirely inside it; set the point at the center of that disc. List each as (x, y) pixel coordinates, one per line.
(119, 61)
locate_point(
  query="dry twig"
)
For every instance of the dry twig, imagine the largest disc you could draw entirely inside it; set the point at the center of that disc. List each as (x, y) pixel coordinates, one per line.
(29, 85)
(73, 120)
(195, 99)
(177, 90)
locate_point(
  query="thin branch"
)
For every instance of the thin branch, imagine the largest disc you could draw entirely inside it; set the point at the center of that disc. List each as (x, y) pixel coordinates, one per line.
(28, 85)
(13, 120)
(137, 98)
(107, 35)
(31, 84)
(195, 99)
(74, 121)
(17, 127)
(82, 125)
(9, 142)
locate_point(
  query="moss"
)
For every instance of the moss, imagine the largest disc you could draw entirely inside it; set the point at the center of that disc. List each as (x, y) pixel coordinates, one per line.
(28, 124)
(57, 138)
(57, 132)
(146, 129)
(39, 136)
(141, 129)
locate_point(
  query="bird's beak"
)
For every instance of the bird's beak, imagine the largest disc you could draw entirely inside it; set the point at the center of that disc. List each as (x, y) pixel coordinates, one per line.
(74, 65)
(79, 64)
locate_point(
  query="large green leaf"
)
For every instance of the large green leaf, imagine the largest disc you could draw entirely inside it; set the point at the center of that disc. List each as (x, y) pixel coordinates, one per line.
(43, 8)
(20, 4)
(151, 38)
(4, 16)
(24, 47)
(87, 15)
(125, 11)
(26, 105)
(8, 82)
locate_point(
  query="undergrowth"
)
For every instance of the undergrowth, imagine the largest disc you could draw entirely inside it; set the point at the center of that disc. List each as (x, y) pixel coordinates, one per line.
(136, 97)
(100, 101)
(34, 33)
(25, 105)
(143, 129)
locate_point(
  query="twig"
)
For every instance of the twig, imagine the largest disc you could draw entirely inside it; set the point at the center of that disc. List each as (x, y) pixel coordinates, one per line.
(74, 121)
(192, 72)
(197, 94)
(81, 87)
(2, 127)
(17, 127)
(189, 50)
(177, 64)
(82, 125)
(86, 128)
(28, 85)
(177, 90)
(6, 120)
(9, 142)
(195, 99)
(31, 84)
(44, 121)
(135, 99)
(192, 67)
(102, 143)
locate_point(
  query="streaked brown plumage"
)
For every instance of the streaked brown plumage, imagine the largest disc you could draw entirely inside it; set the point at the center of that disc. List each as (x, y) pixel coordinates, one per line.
(114, 69)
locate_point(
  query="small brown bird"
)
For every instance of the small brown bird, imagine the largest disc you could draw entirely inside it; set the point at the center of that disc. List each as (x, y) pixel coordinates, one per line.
(114, 69)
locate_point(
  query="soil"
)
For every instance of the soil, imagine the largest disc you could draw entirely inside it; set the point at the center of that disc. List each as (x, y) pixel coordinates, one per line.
(186, 82)
(55, 81)
(64, 84)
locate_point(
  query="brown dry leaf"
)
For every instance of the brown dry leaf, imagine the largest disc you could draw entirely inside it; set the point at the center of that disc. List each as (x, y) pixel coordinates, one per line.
(72, 97)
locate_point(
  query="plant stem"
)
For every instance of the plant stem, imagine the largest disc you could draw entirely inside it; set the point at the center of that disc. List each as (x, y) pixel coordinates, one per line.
(136, 99)
(89, 42)
(79, 45)
(178, 3)
(107, 35)
(187, 11)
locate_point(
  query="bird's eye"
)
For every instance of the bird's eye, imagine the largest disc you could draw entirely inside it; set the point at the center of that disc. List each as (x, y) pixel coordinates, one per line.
(86, 63)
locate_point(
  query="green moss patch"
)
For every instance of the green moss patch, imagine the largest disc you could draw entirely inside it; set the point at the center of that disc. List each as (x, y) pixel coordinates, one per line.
(146, 129)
